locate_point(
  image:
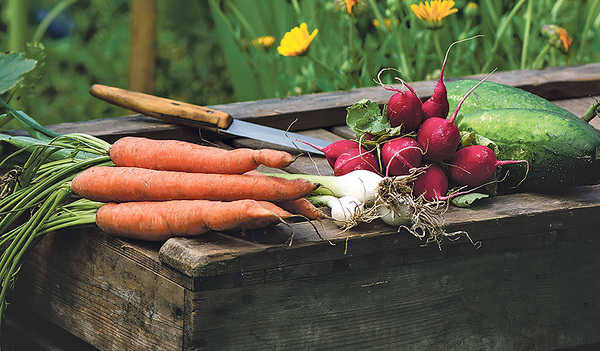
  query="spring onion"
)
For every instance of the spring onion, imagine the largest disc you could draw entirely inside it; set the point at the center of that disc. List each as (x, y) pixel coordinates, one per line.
(362, 185)
(346, 211)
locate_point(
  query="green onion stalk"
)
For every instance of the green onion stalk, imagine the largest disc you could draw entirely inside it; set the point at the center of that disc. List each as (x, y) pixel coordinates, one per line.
(35, 193)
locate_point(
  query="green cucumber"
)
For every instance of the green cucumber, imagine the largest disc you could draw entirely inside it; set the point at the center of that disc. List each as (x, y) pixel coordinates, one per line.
(561, 151)
(493, 96)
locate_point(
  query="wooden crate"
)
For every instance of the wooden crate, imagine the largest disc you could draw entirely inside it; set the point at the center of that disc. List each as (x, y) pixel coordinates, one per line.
(532, 285)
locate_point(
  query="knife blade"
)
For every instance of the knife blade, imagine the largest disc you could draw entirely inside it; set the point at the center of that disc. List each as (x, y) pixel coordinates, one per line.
(202, 117)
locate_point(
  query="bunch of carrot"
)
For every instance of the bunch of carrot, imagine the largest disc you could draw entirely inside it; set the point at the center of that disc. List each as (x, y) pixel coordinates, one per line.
(163, 188)
(136, 187)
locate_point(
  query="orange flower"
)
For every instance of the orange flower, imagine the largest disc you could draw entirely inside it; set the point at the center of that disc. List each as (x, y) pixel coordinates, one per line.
(565, 39)
(559, 38)
(350, 4)
(386, 21)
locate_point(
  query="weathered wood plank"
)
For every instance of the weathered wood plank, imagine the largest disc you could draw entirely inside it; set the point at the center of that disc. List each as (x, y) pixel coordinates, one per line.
(508, 217)
(533, 299)
(93, 291)
(329, 109)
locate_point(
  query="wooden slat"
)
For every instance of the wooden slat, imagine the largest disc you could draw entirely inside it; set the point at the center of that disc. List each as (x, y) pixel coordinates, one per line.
(99, 295)
(502, 217)
(537, 299)
(325, 110)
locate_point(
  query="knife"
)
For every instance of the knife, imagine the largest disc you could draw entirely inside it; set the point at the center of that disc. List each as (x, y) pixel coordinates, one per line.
(202, 117)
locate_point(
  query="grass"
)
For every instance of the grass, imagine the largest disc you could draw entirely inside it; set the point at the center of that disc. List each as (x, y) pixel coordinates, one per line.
(205, 53)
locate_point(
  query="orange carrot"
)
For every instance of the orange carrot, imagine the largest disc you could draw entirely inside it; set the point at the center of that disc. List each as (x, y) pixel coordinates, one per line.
(158, 221)
(301, 207)
(176, 155)
(122, 184)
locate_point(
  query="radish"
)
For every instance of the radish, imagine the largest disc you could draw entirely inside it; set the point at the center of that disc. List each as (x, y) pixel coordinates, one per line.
(334, 150)
(432, 184)
(439, 137)
(475, 165)
(437, 105)
(355, 159)
(400, 155)
(404, 107)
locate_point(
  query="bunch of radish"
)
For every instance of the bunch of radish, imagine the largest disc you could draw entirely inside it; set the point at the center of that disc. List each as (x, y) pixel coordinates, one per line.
(426, 159)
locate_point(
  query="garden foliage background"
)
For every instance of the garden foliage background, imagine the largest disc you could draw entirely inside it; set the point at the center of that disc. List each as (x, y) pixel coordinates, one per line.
(206, 54)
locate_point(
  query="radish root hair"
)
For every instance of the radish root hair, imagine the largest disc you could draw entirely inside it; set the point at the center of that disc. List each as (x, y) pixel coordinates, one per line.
(426, 217)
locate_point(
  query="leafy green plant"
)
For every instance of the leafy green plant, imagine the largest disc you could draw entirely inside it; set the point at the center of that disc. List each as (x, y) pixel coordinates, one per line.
(190, 66)
(382, 34)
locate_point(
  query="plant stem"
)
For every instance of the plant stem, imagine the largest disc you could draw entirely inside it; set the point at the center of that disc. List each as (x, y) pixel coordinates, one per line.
(500, 34)
(437, 45)
(52, 14)
(586, 27)
(592, 112)
(16, 20)
(322, 65)
(525, 46)
(539, 57)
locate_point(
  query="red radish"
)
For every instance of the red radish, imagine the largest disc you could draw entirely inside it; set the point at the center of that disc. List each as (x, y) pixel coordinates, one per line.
(439, 137)
(432, 184)
(474, 165)
(355, 159)
(437, 105)
(404, 107)
(399, 155)
(335, 149)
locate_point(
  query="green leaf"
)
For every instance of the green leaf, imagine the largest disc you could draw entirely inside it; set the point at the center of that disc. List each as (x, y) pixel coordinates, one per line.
(472, 138)
(467, 200)
(365, 117)
(12, 68)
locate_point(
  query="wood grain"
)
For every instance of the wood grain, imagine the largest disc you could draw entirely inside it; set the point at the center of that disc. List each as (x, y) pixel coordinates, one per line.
(91, 290)
(533, 299)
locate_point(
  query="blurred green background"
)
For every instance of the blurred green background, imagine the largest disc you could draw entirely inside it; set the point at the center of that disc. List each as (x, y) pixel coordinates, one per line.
(204, 51)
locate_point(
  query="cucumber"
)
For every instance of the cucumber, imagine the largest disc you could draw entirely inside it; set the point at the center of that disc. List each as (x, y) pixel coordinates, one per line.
(492, 96)
(561, 151)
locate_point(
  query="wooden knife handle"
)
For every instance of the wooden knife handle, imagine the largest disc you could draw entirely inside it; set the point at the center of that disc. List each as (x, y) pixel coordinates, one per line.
(161, 108)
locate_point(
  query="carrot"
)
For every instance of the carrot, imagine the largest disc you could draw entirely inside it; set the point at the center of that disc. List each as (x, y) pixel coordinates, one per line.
(301, 207)
(176, 155)
(122, 184)
(158, 221)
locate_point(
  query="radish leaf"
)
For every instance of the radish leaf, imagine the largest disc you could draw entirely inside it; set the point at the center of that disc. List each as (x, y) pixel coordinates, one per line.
(366, 117)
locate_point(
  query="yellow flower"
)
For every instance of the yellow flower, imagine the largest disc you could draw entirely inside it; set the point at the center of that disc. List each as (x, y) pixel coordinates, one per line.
(386, 21)
(433, 12)
(264, 42)
(296, 42)
(471, 9)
